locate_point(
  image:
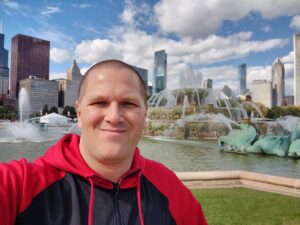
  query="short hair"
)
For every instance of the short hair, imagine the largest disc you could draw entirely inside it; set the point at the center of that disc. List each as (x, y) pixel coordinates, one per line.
(116, 64)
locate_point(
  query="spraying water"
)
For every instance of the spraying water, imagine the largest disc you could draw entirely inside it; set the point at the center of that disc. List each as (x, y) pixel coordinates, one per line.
(24, 105)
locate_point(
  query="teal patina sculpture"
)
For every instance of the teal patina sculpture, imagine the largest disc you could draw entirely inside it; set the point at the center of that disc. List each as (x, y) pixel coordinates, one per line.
(294, 149)
(245, 140)
(271, 145)
(239, 140)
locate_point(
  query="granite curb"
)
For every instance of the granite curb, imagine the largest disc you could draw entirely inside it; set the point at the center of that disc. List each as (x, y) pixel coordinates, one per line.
(237, 178)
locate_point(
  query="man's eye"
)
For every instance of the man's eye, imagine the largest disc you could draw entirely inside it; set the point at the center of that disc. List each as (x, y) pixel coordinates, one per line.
(129, 104)
(101, 103)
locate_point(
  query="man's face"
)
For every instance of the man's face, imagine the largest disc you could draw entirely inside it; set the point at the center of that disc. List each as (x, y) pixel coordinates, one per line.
(111, 114)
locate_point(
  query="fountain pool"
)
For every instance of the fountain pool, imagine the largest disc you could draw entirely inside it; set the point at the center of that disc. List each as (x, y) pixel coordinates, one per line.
(178, 155)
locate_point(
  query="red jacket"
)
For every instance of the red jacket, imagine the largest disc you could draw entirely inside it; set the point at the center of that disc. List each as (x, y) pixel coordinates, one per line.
(60, 189)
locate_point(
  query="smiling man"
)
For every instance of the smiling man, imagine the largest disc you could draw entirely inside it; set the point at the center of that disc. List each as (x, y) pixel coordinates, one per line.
(111, 113)
(99, 177)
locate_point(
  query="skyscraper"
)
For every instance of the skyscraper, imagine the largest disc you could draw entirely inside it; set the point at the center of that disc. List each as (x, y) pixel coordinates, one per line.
(297, 69)
(73, 73)
(278, 77)
(208, 84)
(29, 56)
(160, 71)
(262, 92)
(4, 79)
(74, 77)
(242, 78)
(40, 92)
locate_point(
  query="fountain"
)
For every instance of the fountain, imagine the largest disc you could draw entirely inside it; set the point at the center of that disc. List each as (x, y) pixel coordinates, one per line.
(195, 113)
(24, 106)
(22, 130)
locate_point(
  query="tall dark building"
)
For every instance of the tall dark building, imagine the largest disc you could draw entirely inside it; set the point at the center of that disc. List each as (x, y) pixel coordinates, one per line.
(29, 56)
(3, 66)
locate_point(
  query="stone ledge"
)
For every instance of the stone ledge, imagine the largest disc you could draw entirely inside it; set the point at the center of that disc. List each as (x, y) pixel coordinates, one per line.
(232, 179)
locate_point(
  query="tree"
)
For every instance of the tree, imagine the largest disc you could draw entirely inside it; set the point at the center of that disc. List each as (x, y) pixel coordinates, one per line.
(7, 113)
(45, 110)
(279, 111)
(66, 110)
(70, 111)
(54, 109)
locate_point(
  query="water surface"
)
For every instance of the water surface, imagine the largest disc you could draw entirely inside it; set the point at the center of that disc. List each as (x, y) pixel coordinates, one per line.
(179, 155)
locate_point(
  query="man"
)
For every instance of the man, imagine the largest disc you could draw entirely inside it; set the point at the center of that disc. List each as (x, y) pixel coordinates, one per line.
(100, 177)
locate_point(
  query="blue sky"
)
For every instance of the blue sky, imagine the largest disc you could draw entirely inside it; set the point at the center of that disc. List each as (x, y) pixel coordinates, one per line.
(212, 36)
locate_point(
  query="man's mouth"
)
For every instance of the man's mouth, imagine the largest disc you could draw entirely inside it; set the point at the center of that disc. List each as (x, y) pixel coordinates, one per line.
(113, 130)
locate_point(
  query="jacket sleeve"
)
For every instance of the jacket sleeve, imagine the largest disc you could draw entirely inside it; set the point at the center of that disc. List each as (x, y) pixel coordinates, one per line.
(190, 211)
(184, 207)
(11, 182)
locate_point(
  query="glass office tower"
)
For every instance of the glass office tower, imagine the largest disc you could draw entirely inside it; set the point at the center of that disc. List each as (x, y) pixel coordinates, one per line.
(3, 67)
(160, 71)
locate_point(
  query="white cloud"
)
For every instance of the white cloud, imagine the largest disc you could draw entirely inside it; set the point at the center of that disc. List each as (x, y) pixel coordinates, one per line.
(57, 38)
(289, 70)
(295, 22)
(266, 28)
(92, 51)
(48, 10)
(229, 75)
(258, 73)
(82, 6)
(288, 61)
(289, 86)
(9, 7)
(127, 15)
(221, 75)
(136, 13)
(59, 55)
(83, 70)
(288, 58)
(137, 48)
(54, 76)
(201, 19)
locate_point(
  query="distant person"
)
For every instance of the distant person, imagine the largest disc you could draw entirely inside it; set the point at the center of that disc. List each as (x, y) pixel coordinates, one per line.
(98, 177)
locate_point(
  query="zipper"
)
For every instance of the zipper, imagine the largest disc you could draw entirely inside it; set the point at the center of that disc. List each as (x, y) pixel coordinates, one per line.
(117, 203)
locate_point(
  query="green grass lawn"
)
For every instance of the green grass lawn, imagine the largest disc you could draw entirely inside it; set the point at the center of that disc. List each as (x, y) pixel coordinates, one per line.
(240, 206)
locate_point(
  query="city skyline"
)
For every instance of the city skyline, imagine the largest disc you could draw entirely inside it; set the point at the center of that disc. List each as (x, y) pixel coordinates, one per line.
(254, 33)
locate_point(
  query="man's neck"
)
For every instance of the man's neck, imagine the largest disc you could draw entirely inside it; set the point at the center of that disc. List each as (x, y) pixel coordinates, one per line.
(109, 170)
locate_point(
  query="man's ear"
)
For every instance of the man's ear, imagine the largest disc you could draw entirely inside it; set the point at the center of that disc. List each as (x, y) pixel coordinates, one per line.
(78, 110)
(145, 119)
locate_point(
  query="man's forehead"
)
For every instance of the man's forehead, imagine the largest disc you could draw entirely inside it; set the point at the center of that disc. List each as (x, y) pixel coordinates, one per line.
(106, 70)
(114, 74)
(103, 69)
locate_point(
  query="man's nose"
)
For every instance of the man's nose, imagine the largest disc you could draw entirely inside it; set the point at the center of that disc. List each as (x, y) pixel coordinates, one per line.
(114, 114)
